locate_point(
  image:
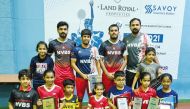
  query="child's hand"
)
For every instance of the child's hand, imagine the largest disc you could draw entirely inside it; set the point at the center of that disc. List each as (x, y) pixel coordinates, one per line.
(39, 102)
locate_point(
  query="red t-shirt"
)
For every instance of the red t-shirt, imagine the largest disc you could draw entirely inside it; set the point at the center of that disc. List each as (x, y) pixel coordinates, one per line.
(145, 95)
(56, 92)
(100, 103)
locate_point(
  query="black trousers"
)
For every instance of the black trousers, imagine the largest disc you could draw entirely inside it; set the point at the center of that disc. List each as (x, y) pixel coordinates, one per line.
(129, 78)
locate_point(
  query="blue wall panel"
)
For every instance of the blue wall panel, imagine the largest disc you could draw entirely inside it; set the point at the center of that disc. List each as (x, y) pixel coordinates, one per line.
(29, 23)
(21, 27)
(5, 8)
(7, 64)
(181, 85)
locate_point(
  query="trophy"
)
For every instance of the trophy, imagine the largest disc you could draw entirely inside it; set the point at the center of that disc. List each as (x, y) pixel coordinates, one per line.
(48, 103)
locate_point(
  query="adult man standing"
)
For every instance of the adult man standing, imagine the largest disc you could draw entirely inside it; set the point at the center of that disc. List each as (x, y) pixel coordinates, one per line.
(113, 54)
(136, 43)
(62, 47)
(85, 61)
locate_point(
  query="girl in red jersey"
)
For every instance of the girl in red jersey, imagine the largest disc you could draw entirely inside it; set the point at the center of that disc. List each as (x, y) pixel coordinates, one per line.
(98, 100)
(144, 91)
(50, 90)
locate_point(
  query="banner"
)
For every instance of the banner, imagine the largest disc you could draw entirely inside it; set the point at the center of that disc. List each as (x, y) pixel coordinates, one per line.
(162, 20)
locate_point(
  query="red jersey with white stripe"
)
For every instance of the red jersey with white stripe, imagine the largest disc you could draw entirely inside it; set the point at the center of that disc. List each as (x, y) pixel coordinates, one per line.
(56, 92)
(145, 95)
(100, 103)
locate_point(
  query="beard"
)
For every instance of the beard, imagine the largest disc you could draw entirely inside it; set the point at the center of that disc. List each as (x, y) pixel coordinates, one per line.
(114, 37)
(63, 35)
(135, 31)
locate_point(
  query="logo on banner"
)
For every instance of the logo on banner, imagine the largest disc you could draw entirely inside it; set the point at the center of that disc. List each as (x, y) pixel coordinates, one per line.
(117, 10)
(160, 9)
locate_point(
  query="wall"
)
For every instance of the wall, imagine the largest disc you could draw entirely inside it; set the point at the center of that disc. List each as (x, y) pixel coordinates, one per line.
(183, 81)
(22, 26)
(7, 49)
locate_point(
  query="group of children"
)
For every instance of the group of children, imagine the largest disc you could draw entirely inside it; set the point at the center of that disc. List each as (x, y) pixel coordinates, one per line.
(27, 98)
(43, 82)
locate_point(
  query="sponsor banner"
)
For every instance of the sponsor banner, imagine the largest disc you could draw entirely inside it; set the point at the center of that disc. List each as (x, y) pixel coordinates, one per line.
(162, 20)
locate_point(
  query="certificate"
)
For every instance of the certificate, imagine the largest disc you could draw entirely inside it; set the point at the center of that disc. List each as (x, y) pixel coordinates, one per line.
(137, 103)
(122, 103)
(153, 103)
(168, 100)
(125, 95)
(164, 106)
(92, 80)
(48, 103)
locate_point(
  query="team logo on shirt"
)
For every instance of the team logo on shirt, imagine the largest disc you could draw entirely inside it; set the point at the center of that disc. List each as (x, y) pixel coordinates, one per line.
(145, 101)
(69, 105)
(85, 61)
(41, 67)
(63, 52)
(22, 104)
(114, 52)
(138, 45)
